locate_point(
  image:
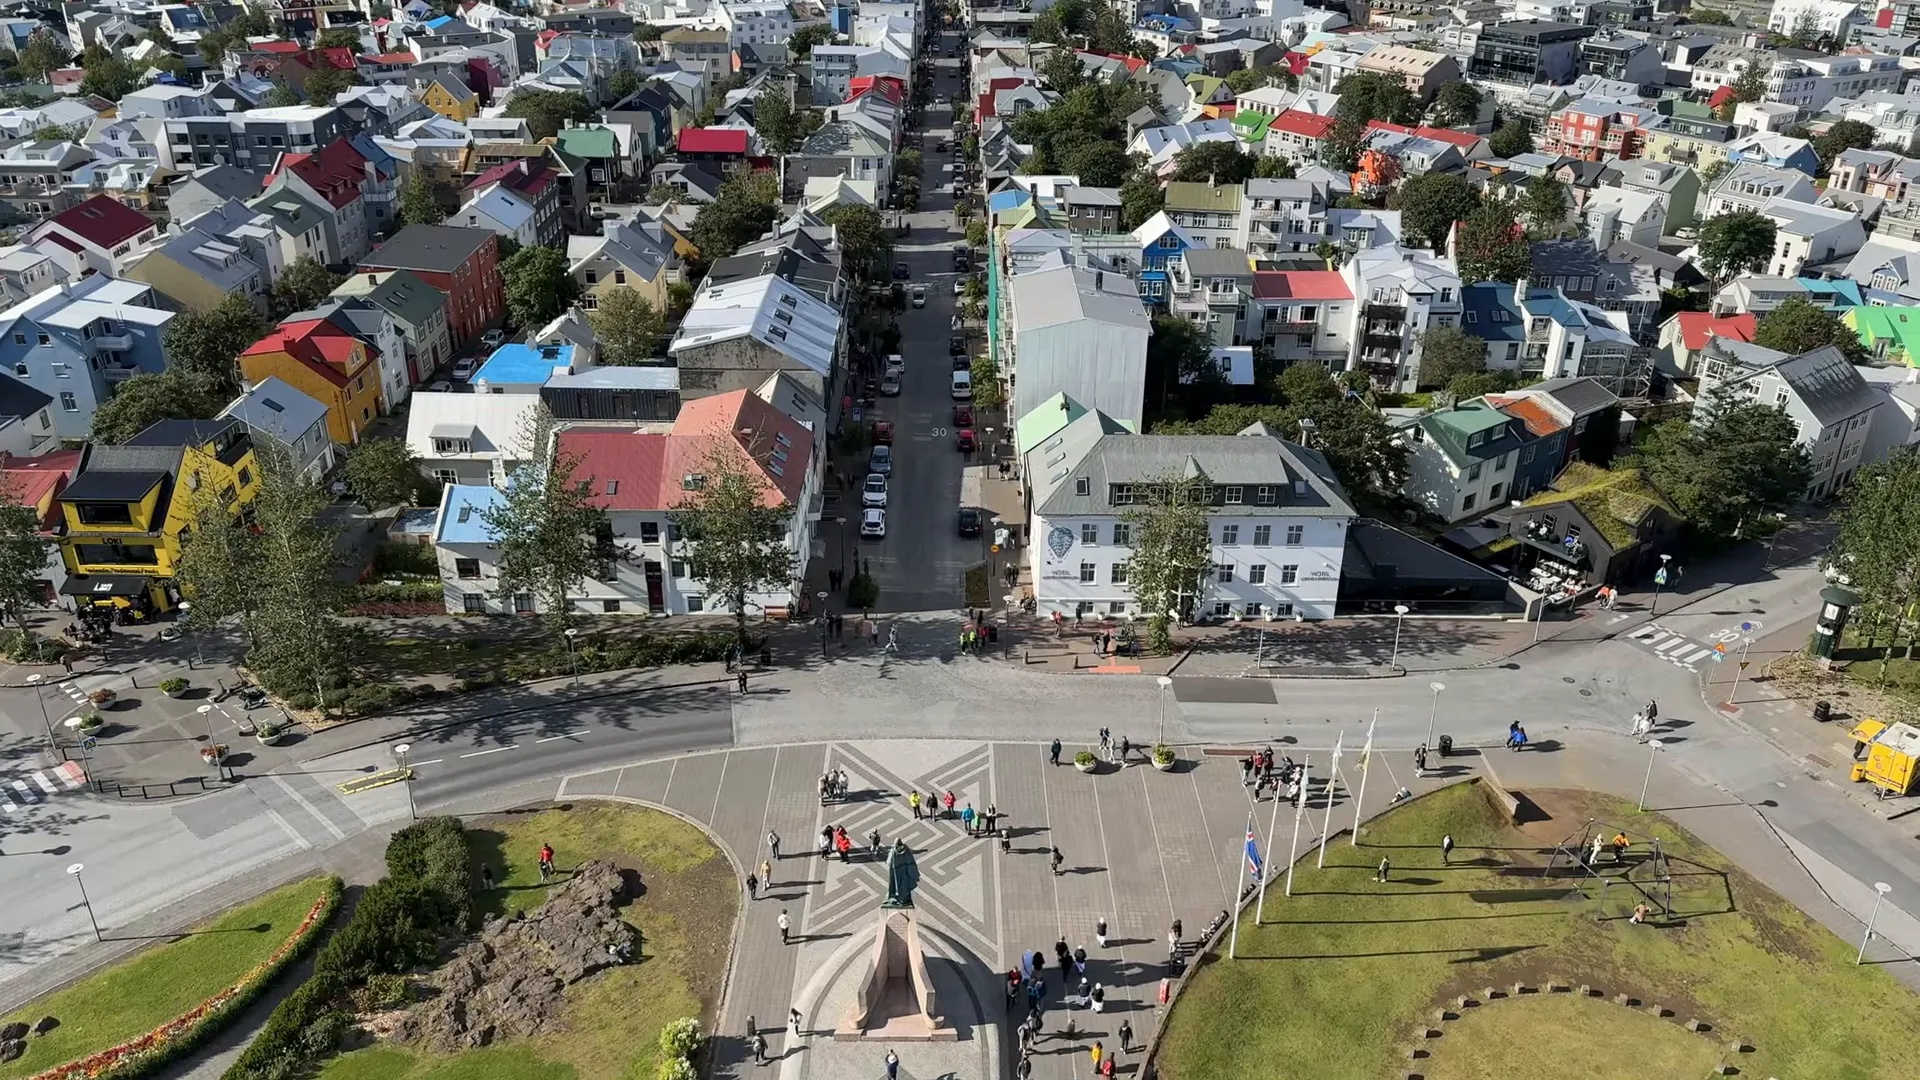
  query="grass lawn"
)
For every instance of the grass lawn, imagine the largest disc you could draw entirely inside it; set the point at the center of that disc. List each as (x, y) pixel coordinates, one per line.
(135, 996)
(421, 658)
(1341, 978)
(686, 915)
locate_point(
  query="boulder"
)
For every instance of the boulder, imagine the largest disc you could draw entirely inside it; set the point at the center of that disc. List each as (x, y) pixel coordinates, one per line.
(14, 1032)
(12, 1048)
(46, 1024)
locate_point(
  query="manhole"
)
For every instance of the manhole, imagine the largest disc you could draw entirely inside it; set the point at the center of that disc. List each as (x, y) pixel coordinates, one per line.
(1568, 679)
(1586, 693)
(1815, 759)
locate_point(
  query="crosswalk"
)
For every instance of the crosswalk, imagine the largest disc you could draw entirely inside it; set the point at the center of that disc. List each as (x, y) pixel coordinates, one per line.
(17, 794)
(1676, 649)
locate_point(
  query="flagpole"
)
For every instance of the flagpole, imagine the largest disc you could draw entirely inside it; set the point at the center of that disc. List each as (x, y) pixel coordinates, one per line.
(1299, 807)
(1326, 822)
(1233, 940)
(1273, 824)
(1366, 762)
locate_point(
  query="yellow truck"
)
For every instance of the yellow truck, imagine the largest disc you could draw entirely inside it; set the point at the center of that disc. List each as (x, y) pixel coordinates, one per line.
(1886, 756)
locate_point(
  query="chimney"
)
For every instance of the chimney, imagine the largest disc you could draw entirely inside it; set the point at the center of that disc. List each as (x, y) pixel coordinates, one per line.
(1519, 291)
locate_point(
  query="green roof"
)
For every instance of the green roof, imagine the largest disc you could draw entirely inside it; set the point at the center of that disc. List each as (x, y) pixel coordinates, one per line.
(1692, 109)
(1451, 428)
(1898, 325)
(1252, 125)
(1616, 501)
(1204, 86)
(587, 142)
(1045, 420)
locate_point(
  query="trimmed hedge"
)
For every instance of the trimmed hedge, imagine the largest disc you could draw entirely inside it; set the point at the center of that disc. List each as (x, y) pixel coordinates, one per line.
(396, 927)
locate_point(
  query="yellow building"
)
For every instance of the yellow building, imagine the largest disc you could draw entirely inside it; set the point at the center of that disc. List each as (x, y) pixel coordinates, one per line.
(451, 98)
(625, 257)
(128, 510)
(328, 364)
(1676, 148)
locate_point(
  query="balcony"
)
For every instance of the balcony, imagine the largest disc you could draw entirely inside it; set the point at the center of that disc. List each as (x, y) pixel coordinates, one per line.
(116, 342)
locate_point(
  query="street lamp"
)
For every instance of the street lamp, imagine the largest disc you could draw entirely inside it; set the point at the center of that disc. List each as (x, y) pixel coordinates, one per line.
(1779, 526)
(84, 901)
(1165, 684)
(1399, 617)
(406, 777)
(1880, 891)
(824, 622)
(1436, 687)
(206, 713)
(1659, 579)
(186, 607)
(841, 520)
(570, 633)
(40, 696)
(1653, 751)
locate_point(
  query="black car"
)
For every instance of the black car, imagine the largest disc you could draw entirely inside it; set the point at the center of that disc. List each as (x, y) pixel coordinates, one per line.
(969, 521)
(957, 345)
(962, 259)
(901, 272)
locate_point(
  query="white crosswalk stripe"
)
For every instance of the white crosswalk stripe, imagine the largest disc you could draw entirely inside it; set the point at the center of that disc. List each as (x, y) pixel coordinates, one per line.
(1677, 649)
(26, 793)
(46, 785)
(16, 794)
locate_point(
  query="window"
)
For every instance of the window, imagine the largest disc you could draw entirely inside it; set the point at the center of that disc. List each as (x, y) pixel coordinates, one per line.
(522, 603)
(650, 533)
(1257, 574)
(1229, 534)
(1086, 573)
(1122, 534)
(1289, 574)
(1223, 573)
(1473, 473)
(619, 277)
(466, 569)
(1493, 494)
(473, 603)
(1266, 495)
(68, 402)
(1119, 576)
(1235, 495)
(1116, 607)
(610, 606)
(1222, 609)
(1500, 463)
(1780, 398)
(1262, 535)
(1082, 485)
(1467, 503)
(1526, 456)
(445, 476)
(19, 338)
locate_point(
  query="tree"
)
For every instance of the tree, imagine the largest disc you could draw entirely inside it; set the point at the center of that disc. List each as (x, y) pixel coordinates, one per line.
(864, 242)
(1218, 162)
(539, 286)
(1099, 164)
(303, 286)
(1457, 104)
(628, 327)
(1475, 384)
(1873, 546)
(1545, 205)
(550, 535)
(1706, 16)
(976, 235)
(1141, 197)
(145, 400)
(328, 83)
(1180, 362)
(216, 562)
(1365, 451)
(804, 39)
(282, 96)
(1844, 135)
(1739, 467)
(108, 75)
(1734, 243)
(1273, 168)
(1512, 138)
(42, 55)
(1246, 79)
(1063, 70)
(1172, 550)
(1340, 150)
(621, 85)
(383, 472)
(773, 118)
(418, 204)
(60, 133)
(1447, 352)
(1799, 325)
(742, 212)
(547, 111)
(1430, 203)
(1492, 246)
(1374, 95)
(733, 523)
(297, 640)
(647, 32)
(342, 37)
(24, 551)
(1749, 85)
(206, 342)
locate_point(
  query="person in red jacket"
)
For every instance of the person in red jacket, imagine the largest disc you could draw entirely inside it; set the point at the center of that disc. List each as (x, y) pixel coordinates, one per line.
(947, 801)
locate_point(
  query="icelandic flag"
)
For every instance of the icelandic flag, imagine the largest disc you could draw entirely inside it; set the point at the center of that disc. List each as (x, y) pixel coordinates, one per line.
(1253, 852)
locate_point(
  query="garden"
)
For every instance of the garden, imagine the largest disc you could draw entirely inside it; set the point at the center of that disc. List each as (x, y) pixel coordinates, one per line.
(1351, 978)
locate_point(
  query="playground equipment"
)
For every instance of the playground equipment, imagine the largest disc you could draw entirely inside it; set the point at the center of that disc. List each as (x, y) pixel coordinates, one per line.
(1649, 875)
(1886, 756)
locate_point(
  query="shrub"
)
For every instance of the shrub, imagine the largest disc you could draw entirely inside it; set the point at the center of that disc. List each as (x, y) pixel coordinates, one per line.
(681, 1038)
(1163, 754)
(17, 647)
(677, 1069)
(268, 730)
(382, 992)
(173, 685)
(1084, 757)
(418, 560)
(435, 853)
(406, 592)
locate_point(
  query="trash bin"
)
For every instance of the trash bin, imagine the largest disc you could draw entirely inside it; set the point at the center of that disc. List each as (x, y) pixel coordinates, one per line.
(1446, 745)
(993, 633)
(1822, 711)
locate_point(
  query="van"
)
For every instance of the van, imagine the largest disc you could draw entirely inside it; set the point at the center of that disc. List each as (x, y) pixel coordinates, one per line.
(963, 386)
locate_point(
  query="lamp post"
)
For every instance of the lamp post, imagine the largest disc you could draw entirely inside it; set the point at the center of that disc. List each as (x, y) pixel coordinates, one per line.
(1880, 891)
(1780, 526)
(1659, 579)
(1653, 751)
(1399, 617)
(821, 596)
(206, 713)
(1165, 684)
(841, 520)
(186, 608)
(573, 664)
(40, 696)
(84, 900)
(1436, 687)
(406, 777)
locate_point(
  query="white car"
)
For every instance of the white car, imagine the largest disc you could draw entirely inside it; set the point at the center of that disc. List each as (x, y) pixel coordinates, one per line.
(959, 285)
(896, 364)
(920, 296)
(875, 491)
(463, 368)
(873, 524)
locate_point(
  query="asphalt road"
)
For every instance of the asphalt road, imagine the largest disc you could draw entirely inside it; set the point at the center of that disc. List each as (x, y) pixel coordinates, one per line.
(921, 563)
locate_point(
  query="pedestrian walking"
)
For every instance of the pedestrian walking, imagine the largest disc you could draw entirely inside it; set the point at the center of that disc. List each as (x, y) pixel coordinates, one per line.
(486, 877)
(66, 661)
(1126, 1036)
(1100, 932)
(966, 818)
(766, 872)
(1519, 740)
(1053, 752)
(913, 803)
(893, 1065)
(826, 840)
(1420, 760)
(842, 844)
(793, 1022)
(1173, 940)
(1006, 842)
(1098, 997)
(1381, 874)
(743, 681)
(1126, 749)
(759, 1050)
(546, 862)
(1106, 741)
(993, 815)
(1446, 848)
(773, 843)
(753, 886)
(1024, 1070)
(947, 802)
(1246, 770)
(1653, 712)
(1013, 988)
(1096, 1052)
(1057, 860)
(786, 928)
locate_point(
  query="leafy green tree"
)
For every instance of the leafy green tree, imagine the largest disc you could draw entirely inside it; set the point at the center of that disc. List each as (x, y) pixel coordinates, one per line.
(24, 551)
(1063, 70)
(216, 562)
(1844, 135)
(1220, 163)
(1430, 203)
(550, 535)
(742, 212)
(804, 39)
(734, 522)
(547, 111)
(145, 400)
(1447, 352)
(621, 84)
(1545, 205)
(383, 472)
(1098, 164)
(342, 37)
(1473, 384)
(977, 234)
(1492, 246)
(418, 204)
(206, 342)
(1749, 85)
(108, 75)
(1172, 550)
(1340, 150)
(1365, 451)
(42, 55)
(214, 45)
(1737, 242)
(1874, 548)
(282, 96)
(1728, 474)
(538, 285)
(1706, 16)
(774, 119)
(302, 286)
(628, 327)
(1457, 104)
(864, 242)
(1141, 197)
(1180, 368)
(1799, 325)
(298, 641)
(1273, 168)
(1511, 139)
(644, 33)
(1375, 95)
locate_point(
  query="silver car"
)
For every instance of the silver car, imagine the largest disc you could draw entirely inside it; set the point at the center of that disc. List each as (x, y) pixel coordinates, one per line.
(881, 461)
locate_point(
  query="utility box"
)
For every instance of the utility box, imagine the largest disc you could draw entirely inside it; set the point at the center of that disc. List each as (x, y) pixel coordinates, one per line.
(1891, 758)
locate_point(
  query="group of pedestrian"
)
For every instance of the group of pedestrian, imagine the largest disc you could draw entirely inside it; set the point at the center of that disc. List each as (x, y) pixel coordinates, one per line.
(1262, 771)
(833, 580)
(1115, 752)
(833, 786)
(974, 638)
(1644, 720)
(836, 626)
(1608, 597)
(1516, 736)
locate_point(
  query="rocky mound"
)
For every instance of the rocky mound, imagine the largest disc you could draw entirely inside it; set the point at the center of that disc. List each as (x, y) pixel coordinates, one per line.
(510, 981)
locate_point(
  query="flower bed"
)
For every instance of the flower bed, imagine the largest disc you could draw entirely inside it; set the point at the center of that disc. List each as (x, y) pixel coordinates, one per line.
(168, 1042)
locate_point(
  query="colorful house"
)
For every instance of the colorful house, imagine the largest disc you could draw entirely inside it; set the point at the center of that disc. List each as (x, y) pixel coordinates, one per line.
(326, 362)
(1890, 333)
(451, 98)
(1160, 241)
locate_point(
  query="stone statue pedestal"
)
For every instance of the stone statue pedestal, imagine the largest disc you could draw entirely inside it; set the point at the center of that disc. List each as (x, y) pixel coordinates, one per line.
(895, 1000)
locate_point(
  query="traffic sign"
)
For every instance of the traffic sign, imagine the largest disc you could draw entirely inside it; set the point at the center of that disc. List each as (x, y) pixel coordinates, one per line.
(1720, 647)
(1660, 576)
(1746, 628)
(1744, 663)
(89, 743)
(1719, 658)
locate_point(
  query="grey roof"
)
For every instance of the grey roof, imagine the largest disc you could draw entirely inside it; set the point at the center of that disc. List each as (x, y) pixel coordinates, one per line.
(274, 407)
(1581, 395)
(433, 248)
(19, 400)
(112, 485)
(631, 377)
(1217, 262)
(1065, 294)
(1250, 460)
(1828, 385)
(224, 181)
(1641, 255)
(408, 298)
(1091, 196)
(1565, 257)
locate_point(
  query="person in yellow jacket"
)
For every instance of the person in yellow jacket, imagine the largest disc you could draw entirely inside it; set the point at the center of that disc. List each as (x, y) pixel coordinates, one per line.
(913, 804)
(1096, 1052)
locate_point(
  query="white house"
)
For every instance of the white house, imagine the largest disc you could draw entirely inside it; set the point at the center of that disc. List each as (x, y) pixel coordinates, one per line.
(1079, 332)
(470, 438)
(1829, 402)
(1278, 520)
(275, 409)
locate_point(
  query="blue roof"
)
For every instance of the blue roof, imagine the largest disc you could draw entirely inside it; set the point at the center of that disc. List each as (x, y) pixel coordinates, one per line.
(525, 364)
(461, 514)
(1550, 304)
(435, 24)
(1490, 314)
(1842, 292)
(1002, 201)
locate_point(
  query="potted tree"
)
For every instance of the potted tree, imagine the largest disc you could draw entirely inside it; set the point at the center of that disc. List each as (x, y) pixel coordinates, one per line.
(1163, 758)
(269, 733)
(91, 721)
(1085, 761)
(102, 697)
(173, 687)
(214, 755)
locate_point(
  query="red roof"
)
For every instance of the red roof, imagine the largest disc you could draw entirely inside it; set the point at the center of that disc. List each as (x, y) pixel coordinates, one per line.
(321, 345)
(1720, 97)
(336, 172)
(1297, 62)
(28, 480)
(523, 175)
(391, 58)
(1295, 122)
(68, 76)
(1528, 411)
(287, 47)
(1463, 140)
(712, 141)
(885, 85)
(338, 58)
(1300, 285)
(1697, 326)
(101, 221)
(628, 470)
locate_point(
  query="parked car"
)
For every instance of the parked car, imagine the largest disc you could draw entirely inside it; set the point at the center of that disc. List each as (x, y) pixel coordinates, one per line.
(959, 284)
(901, 272)
(956, 345)
(439, 386)
(890, 384)
(962, 362)
(963, 416)
(873, 525)
(962, 384)
(493, 339)
(896, 362)
(962, 258)
(957, 321)
(874, 492)
(883, 433)
(966, 442)
(970, 521)
(464, 367)
(919, 296)
(880, 460)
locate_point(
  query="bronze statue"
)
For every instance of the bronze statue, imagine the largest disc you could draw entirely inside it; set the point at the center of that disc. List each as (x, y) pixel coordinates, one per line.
(903, 876)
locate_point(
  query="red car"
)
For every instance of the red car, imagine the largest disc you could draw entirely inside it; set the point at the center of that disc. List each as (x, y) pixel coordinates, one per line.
(966, 440)
(883, 433)
(963, 416)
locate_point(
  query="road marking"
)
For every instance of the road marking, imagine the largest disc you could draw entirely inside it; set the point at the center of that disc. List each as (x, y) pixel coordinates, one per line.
(495, 750)
(307, 806)
(286, 827)
(26, 793)
(1698, 656)
(557, 738)
(7, 806)
(46, 785)
(432, 761)
(71, 774)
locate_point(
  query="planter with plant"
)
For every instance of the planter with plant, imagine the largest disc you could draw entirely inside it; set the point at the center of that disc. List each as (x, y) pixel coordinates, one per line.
(269, 733)
(1085, 761)
(91, 721)
(214, 755)
(173, 687)
(1163, 758)
(102, 697)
